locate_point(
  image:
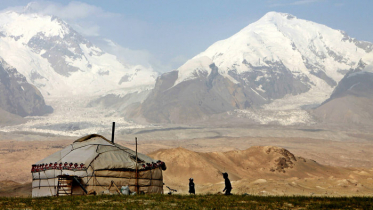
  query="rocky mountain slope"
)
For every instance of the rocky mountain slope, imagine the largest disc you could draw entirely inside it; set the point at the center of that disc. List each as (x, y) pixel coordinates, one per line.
(60, 62)
(352, 100)
(279, 59)
(17, 96)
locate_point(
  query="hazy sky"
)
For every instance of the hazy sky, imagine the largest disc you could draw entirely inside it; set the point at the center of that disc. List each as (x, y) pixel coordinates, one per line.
(166, 33)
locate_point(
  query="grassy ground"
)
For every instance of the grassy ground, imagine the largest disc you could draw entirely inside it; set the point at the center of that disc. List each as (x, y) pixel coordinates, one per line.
(187, 202)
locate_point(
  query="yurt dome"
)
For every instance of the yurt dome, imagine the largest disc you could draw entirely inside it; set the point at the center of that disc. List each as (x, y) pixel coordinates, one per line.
(92, 164)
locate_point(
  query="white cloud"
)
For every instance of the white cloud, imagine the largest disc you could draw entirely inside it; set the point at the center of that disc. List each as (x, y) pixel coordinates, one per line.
(131, 57)
(72, 11)
(81, 16)
(89, 29)
(126, 55)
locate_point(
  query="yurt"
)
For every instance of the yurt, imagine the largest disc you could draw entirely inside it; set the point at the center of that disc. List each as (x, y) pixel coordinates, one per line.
(93, 164)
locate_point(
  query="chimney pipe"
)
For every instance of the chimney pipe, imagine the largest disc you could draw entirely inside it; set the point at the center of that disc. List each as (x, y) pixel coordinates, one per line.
(112, 133)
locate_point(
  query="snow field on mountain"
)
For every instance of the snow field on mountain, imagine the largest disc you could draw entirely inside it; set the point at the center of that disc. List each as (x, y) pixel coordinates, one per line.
(96, 72)
(318, 93)
(281, 117)
(105, 73)
(72, 118)
(193, 68)
(368, 62)
(276, 38)
(26, 26)
(28, 63)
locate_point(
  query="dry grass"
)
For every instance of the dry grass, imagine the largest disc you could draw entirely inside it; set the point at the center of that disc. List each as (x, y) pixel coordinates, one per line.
(187, 202)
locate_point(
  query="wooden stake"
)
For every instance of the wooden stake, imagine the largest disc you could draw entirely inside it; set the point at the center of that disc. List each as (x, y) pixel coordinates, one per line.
(112, 133)
(116, 187)
(137, 173)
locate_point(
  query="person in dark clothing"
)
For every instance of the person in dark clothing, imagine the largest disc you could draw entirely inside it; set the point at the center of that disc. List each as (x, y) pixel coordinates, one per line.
(228, 186)
(191, 187)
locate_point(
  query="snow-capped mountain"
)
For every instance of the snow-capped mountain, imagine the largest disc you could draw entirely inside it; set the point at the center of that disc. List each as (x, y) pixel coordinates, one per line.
(17, 96)
(60, 62)
(70, 72)
(280, 61)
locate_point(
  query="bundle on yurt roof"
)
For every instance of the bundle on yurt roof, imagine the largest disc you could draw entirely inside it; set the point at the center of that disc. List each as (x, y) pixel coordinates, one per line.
(92, 164)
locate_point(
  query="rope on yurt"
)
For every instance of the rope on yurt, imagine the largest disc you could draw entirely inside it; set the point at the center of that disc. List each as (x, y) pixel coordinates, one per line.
(84, 146)
(90, 165)
(66, 154)
(54, 182)
(92, 175)
(151, 178)
(86, 175)
(94, 178)
(48, 183)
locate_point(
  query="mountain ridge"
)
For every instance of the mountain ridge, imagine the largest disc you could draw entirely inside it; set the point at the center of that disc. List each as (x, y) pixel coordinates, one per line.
(60, 62)
(278, 61)
(17, 96)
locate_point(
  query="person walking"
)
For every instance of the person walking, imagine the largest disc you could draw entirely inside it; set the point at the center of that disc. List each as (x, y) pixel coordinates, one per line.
(228, 186)
(191, 187)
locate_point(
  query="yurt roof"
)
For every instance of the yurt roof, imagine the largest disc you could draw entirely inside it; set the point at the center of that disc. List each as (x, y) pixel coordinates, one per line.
(96, 151)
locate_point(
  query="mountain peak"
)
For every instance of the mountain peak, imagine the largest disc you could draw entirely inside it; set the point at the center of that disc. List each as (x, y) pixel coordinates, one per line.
(280, 61)
(54, 57)
(24, 26)
(282, 37)
(275, 15)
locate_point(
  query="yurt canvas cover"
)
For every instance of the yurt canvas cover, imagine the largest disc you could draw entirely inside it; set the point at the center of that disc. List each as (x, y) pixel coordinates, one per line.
(97, 161)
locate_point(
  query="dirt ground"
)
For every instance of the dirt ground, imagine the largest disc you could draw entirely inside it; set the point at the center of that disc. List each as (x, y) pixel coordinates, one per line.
(329, 148)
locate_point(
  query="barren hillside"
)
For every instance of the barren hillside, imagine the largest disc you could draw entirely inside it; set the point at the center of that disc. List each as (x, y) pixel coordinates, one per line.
(260, 168)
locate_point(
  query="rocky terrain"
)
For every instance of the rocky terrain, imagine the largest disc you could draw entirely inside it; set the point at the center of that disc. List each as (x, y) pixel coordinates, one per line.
(17, 96)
